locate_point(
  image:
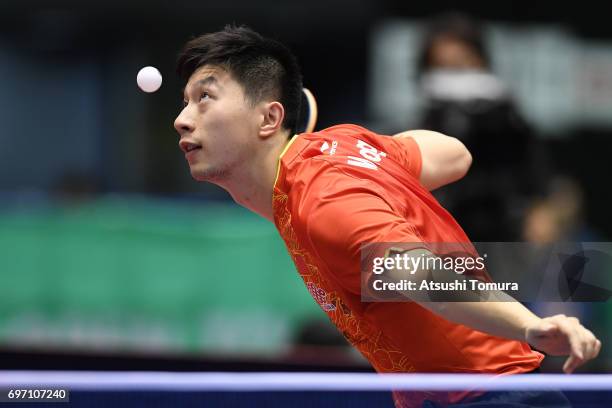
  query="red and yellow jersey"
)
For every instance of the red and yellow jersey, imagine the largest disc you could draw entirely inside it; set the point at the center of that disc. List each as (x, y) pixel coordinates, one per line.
(344, 186)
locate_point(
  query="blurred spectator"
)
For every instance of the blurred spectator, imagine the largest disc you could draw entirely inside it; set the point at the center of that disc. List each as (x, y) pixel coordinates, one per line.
(558, 217)
(466, 100)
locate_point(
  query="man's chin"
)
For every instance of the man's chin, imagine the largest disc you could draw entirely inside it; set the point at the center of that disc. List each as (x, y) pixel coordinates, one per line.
(198, 175)
(209, 174)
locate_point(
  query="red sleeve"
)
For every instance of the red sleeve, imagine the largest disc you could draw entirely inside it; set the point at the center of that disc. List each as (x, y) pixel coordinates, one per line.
(407, 153)
(340, 213)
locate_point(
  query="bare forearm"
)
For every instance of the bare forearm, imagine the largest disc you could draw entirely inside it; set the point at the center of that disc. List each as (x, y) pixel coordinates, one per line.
(491, 311)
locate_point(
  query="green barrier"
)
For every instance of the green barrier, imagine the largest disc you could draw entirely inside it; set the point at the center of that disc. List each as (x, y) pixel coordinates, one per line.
(143, 275)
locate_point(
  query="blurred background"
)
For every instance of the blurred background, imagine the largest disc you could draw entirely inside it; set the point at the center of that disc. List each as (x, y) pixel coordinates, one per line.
(112, 257)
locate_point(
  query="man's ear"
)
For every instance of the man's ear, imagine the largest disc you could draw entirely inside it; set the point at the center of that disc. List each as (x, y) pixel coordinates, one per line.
(273, 115)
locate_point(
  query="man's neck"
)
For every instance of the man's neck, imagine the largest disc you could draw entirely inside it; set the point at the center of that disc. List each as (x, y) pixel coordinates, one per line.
(252, 185)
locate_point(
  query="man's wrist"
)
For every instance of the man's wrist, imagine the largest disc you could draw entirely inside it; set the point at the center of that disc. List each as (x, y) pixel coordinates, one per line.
(529, 323)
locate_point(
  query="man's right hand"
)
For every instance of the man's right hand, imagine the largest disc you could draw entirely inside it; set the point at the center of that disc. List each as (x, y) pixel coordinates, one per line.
(561, 335)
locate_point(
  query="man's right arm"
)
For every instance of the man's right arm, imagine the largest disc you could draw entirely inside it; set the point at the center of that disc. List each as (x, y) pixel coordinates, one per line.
(498, 314)
(444, 159)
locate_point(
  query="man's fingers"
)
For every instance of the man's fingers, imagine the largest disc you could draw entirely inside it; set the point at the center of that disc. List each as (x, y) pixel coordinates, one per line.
(587, 343)
(593, 344)
(597, 347)
(571, 363)
(574, 337)
(577, 344)
(583, 344)
(589, 347)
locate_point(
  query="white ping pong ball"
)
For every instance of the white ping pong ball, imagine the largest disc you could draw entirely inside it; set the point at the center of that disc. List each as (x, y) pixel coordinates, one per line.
(149, 79)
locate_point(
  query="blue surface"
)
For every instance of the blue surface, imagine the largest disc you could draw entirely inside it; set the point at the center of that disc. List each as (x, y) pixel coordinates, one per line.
(143, 399)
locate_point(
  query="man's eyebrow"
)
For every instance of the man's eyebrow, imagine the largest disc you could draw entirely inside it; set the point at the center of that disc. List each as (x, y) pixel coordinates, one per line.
(209, 80)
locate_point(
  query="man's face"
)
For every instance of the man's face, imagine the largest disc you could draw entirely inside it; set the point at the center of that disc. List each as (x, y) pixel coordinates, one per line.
(448, 52)
(217, 125)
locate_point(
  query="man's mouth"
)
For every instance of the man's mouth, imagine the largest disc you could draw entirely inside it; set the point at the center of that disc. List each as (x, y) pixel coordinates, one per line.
(187, 146)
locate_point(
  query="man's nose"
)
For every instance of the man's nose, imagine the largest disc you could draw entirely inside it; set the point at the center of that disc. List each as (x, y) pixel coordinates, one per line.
(183, 122)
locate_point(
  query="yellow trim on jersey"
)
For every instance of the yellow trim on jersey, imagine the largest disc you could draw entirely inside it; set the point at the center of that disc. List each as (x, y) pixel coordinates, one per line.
(281, 156)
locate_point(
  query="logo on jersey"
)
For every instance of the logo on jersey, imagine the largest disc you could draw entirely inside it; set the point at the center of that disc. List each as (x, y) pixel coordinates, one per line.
(320, 296)
(370, 156)
(325, 146)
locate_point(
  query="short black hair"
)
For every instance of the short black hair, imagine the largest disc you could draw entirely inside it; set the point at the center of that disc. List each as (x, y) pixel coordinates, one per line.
(264, 67)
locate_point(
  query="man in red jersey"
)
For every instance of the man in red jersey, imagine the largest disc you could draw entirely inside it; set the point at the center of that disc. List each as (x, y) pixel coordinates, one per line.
(328, 192)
